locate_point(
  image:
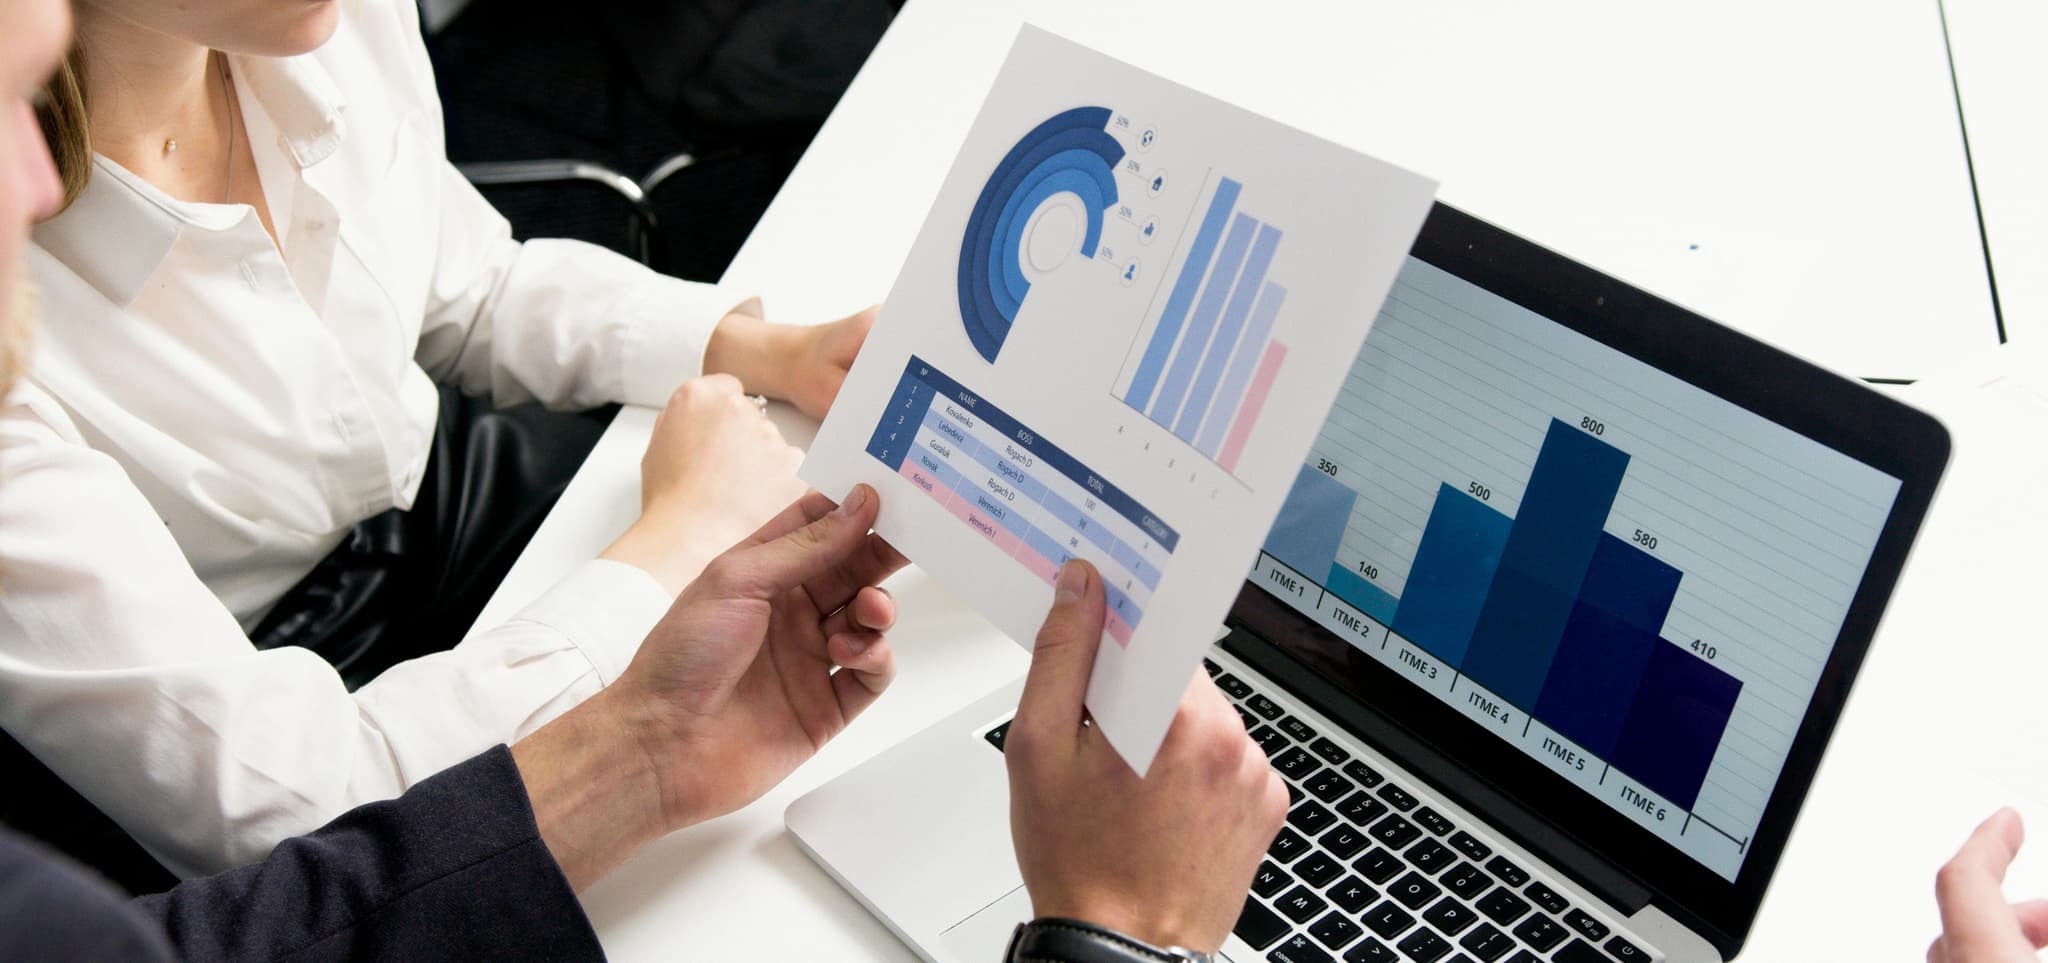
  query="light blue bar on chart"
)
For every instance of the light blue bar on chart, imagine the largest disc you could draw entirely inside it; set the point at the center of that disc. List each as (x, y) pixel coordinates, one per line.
(1183, 295)
(1234, 316)
(1249, 350)
(1203, 324)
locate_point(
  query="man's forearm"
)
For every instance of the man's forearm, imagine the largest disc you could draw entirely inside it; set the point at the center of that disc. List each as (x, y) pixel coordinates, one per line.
(592, 781)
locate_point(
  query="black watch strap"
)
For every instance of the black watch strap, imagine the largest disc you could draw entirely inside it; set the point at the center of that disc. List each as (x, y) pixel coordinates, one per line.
(1054, 939)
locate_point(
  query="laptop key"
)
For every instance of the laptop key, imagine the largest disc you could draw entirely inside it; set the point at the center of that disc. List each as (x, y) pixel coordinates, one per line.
(1433, 821)
(1551, 900)
(1270, 740)
(1541, 932)
(1414, 890)
(1371, 951)
(1425, 946)
(1352, 894)
(1524, 956)
(1460, 958)
(1214, 669)
(1294, 793)
(1310, 818)
(1503, 906)
(1249, 719)
(1326, 785)
(1366, 775)
(1585, 923)
(1317, 869)
(1288, 846)
(1395, 832)
(1296, 763)
(1301, 904)
(1465, 881)
(1344, 841)
(1259, 926)
(1298, 729)
(1508, 873)
(1625, 951)
(1335, 931)
(1298, 949)
(1579, 951)
(1266, 708)
(1487, 943)
(1331, 752)
(1378, 865)
(1470, 845)
(996, 736)
(1430, 856)
(1388, 920)
(1270, 879)
(1397, 797)
(1234, 686)
(1360, 809)
(1450, 916)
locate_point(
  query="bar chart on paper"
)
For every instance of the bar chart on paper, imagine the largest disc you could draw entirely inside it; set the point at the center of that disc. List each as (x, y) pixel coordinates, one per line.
(1638, 598)
(1205, 362)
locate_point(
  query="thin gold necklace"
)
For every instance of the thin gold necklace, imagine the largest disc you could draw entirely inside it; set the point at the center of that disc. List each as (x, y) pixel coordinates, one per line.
(227, 97)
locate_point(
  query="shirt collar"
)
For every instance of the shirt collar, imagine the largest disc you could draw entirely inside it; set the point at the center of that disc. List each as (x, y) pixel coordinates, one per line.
(120, 229)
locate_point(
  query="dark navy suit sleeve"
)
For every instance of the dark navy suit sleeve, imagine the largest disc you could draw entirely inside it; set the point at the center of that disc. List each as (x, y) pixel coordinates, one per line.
(453, 870)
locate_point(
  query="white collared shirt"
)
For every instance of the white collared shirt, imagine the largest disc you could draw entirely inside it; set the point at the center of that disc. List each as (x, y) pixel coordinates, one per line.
(207, 415)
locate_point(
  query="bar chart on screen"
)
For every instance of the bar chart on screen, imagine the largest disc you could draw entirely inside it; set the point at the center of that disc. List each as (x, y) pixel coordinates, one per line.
(1206, 360)
(1633, 587)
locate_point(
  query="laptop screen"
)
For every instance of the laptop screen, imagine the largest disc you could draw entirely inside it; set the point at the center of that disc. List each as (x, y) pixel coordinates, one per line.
(1622, 576)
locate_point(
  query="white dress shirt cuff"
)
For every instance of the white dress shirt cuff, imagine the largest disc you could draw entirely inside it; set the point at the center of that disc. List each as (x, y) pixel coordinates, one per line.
(672, 328)
(605, 609)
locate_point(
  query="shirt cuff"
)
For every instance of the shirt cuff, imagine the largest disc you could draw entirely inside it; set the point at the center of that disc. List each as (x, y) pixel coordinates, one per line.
(605, 609)
(671, 328)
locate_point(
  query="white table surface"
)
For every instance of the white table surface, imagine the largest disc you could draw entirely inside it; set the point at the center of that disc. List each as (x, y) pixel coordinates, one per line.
(1774, 138)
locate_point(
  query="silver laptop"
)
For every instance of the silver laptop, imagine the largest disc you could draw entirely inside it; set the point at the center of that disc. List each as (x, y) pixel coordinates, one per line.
(1547, 642)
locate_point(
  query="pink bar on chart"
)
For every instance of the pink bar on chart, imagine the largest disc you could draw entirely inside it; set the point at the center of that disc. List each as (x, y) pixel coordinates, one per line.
(1118, 629)
(1254, 399)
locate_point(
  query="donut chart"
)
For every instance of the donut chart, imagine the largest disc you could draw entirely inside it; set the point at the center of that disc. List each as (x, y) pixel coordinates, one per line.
(1072, 153)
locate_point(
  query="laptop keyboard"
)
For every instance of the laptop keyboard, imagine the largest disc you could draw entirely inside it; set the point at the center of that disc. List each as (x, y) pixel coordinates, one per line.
(1364, 872)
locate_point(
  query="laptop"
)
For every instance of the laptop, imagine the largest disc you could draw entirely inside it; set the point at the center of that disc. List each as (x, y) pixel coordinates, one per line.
(1546, 642)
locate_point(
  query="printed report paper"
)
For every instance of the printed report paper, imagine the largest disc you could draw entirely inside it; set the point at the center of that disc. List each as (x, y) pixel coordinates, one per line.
(1115, 338)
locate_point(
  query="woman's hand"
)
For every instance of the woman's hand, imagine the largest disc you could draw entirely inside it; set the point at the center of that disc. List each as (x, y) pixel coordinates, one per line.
(801, 364)
(715, 470)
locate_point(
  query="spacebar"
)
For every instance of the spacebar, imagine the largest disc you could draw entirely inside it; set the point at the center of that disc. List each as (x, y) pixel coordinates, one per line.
(1260, 926)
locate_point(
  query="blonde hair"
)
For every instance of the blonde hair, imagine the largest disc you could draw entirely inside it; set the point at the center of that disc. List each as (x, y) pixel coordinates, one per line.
(62, 113)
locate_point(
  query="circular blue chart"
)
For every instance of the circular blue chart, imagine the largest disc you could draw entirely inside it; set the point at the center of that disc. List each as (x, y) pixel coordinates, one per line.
(1073, 153)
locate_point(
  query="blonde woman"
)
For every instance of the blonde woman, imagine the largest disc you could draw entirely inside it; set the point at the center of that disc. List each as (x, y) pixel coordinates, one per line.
(263, 285)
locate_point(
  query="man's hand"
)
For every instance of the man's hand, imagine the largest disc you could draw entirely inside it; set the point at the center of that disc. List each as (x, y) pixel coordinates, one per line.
(766, 656)
(714, 471)
(801, 364)
(1977, 924)
(1167, 858)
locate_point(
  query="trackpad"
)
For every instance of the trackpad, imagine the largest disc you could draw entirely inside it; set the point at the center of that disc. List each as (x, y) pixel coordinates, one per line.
(986, 934)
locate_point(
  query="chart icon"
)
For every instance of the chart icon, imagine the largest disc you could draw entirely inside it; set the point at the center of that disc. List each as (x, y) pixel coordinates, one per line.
(1072, 153)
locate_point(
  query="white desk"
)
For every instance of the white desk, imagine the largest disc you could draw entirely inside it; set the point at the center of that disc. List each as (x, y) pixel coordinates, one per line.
(1736, 134)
